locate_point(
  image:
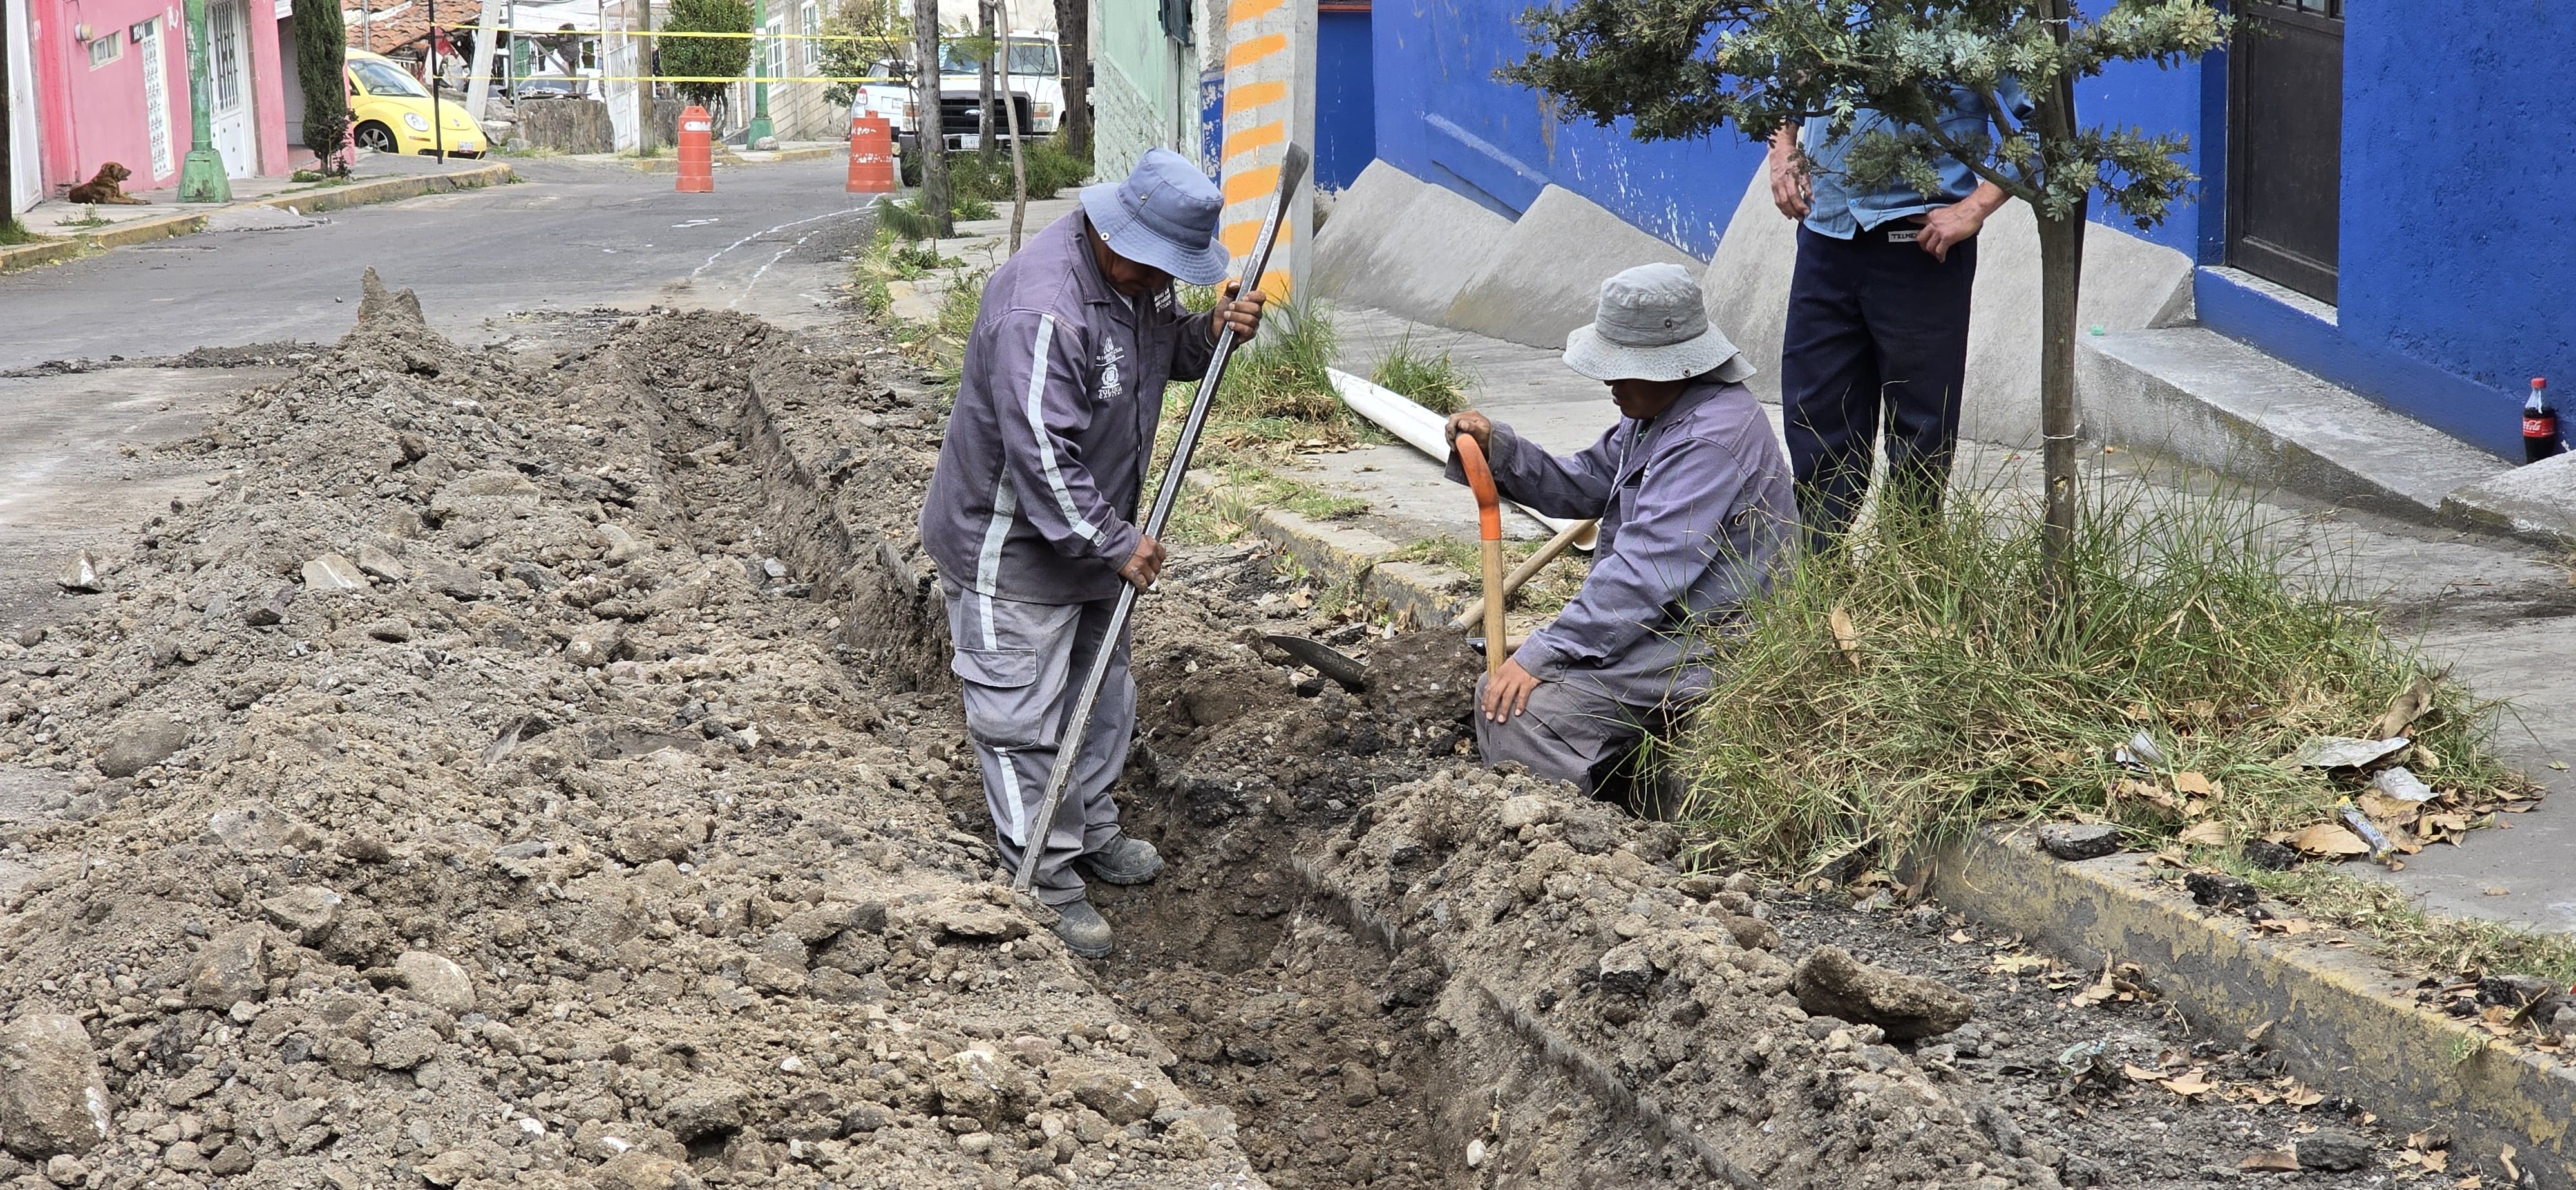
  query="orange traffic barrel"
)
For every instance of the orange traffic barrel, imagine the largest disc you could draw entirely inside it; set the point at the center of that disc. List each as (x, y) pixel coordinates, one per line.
(697, 151)
(871, 154)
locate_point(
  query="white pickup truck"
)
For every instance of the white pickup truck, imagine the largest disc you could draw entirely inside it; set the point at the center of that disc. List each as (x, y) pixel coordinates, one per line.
(1036, 89)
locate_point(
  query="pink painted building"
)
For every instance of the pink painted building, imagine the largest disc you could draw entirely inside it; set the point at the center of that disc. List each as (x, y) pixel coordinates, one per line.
(113, 83)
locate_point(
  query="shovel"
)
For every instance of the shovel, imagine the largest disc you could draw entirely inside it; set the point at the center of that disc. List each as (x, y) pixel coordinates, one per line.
(1077, 728)
(1489, 529)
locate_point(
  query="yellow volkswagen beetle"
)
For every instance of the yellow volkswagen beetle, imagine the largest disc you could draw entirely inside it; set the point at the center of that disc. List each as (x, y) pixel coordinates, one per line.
(390, 112)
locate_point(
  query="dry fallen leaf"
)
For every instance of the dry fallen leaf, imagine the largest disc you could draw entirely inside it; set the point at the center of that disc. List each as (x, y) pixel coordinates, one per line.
(2015, 964)
(1845, 636)
(2271, 1161)
(2205, 834)
(2303, 1095)
(2144, 1074)
(2189, 1083)
(2329, 841)
(2409, 705)
(2194, 783)
(2256, 1034)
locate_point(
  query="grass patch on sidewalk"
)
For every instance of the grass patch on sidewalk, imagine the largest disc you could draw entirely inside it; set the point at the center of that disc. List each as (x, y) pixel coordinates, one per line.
(14, 232)
(1932, 680)
(1434, 382)
(2452, 947)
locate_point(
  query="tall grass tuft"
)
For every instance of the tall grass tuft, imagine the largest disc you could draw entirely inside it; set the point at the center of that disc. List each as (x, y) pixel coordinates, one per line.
(1434, 382)
(1932, 677)
(1281, 374)
(13, 231)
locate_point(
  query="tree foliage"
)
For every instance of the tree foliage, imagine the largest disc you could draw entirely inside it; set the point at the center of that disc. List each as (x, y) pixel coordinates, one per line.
(876, 31)
(705, 57)
(321, 55)
(1680, 69)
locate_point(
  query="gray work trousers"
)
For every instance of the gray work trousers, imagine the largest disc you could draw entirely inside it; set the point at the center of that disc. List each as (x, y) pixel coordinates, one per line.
(1019, 667)
(1571, 731)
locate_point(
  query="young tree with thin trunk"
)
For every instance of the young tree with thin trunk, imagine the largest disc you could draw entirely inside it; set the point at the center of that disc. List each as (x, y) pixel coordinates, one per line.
(1073, 55)
(987, 129)
(927, 136)
(1019, 164)
(321, 53)
(1680, 69)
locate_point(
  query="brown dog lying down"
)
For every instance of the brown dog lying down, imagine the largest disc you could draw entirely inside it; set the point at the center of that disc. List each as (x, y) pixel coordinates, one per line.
(103, 187)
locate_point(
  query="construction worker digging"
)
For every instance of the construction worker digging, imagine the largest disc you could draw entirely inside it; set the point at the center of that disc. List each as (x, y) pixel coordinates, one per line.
(1032, 512)
(1696, 510)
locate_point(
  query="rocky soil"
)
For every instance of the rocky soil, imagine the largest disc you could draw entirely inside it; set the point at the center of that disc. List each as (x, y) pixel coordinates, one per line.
(540, 770)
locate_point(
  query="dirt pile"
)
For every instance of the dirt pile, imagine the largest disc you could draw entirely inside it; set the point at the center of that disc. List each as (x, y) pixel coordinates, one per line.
(464, 794)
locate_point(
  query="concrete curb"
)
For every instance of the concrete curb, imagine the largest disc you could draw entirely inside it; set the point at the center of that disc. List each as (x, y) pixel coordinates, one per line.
(2330, 1012)
(671, 165)
(2327, 1009)
(302, 202)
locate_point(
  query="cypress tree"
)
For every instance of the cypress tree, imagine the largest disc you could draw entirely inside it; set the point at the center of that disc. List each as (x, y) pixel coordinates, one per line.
(321, 54)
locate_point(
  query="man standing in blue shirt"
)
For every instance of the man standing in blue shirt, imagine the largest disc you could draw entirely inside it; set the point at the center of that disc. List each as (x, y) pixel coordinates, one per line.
(1877, 329)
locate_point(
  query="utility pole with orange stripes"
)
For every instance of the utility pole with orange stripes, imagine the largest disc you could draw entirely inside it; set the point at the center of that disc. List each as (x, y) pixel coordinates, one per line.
(1269, 105)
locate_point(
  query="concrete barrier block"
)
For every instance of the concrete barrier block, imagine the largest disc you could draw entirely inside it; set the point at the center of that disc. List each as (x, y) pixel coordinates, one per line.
(1544, 278)
(2129, 284)
(1403, 245)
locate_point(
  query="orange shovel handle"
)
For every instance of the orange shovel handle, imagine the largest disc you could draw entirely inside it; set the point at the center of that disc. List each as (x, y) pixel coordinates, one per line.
(1480, 480)
(1489, 526)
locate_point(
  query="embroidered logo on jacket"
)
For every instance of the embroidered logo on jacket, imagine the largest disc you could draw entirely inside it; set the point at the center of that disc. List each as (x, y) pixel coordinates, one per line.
(1111, 383)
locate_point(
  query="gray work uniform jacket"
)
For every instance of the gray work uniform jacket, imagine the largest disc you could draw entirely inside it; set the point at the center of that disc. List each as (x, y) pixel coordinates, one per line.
(1696, 512)
(1035, 495)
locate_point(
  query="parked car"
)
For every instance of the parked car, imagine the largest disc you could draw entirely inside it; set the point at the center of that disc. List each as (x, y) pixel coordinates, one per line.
(1036, 88)
(390, 112)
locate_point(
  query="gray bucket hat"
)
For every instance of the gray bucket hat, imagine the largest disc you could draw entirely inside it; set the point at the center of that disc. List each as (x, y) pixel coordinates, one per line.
(1163, 214)
(1653, 325)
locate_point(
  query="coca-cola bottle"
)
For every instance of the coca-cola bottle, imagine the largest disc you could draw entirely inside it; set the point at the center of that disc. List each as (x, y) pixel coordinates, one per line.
(2539, 424)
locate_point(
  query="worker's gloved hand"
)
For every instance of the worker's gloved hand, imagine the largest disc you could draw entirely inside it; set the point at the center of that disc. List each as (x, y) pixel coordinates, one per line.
(1507, 691)
(1474, 425)
(1145, 566)
(1243, 313)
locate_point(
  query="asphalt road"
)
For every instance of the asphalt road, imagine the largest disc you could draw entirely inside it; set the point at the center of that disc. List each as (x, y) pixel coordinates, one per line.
(569, 236)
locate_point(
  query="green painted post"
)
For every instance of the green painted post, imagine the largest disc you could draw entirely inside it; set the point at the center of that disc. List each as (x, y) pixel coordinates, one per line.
(201, 176)
(760, 129)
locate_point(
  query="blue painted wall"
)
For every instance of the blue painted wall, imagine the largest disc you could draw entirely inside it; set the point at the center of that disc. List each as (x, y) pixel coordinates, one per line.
(1345, 97)
(1442, 117)
(2459, 203)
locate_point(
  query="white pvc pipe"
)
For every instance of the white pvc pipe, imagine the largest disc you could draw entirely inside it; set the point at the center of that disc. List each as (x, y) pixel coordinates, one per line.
(1421, 429)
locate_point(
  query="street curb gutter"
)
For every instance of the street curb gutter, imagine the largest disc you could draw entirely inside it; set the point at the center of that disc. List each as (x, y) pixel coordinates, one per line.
(302, 202)
(2328, 1013)
(1341, 555)
(2331, 1012)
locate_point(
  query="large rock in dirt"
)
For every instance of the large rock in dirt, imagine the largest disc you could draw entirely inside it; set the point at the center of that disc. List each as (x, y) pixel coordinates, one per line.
(79, 575)
(145, 741)
(53, 1098)
(436, 981)
(307, 911)
(1830, 982)
(333, 572)
(978, 920)
(1119, 1099)
(230, 968)
(2329, 1149)
(704, 1110)
(2079, 840)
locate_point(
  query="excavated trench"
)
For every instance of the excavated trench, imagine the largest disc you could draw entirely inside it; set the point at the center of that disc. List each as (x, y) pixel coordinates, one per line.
(1361, 1025)
(659, 843)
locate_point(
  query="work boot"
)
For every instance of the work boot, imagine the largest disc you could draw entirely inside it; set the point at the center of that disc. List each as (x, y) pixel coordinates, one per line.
(1126, 860)
(1084, 931)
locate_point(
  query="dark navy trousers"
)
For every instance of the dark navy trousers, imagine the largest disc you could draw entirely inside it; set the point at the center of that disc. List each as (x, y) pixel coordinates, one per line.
(1877, 337)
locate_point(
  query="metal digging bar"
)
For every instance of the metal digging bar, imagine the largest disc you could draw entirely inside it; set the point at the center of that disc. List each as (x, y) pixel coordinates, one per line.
(1069, 743)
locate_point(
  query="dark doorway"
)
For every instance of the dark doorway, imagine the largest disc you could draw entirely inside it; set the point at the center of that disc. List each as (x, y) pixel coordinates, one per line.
(2285, 142)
